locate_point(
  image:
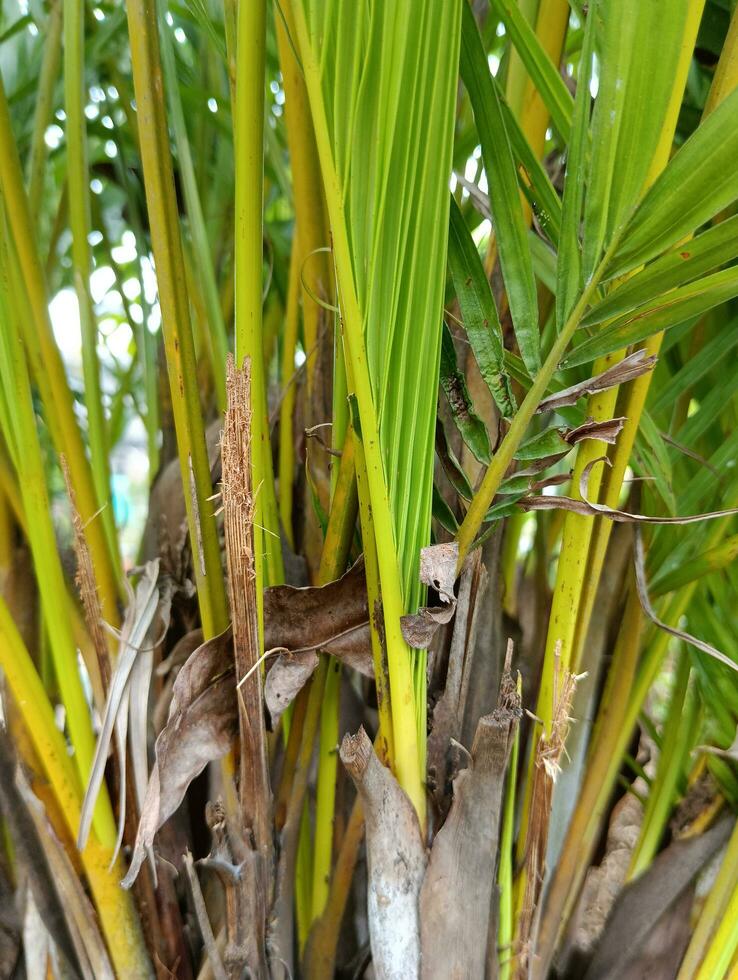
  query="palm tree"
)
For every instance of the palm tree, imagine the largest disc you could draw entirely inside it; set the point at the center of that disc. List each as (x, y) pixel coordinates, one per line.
(367, 488)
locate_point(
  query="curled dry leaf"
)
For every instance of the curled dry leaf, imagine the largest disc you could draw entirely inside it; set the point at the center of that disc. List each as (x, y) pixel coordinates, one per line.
(203, 715)
(202, 724)
(642, 588)
(286, 679)
(333, 618)
(632, 366)
(396, 858)
(605, 431)
(438, 571)
(730, 753)
(590, 508)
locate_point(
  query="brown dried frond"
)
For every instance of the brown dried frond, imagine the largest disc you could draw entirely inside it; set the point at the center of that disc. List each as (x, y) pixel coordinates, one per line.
(254, 892)
(549, 751)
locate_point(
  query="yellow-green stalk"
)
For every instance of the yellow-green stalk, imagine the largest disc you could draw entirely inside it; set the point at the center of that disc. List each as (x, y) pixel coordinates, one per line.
(22, 436)
(198, 232)
(249, 156)
(47, 366)
(44, 104)
(78, 191)
(115, 907)
(176, 325)
(289, 395)
(406, 756)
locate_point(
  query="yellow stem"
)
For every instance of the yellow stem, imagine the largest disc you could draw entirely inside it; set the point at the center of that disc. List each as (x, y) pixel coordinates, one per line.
(115, 907)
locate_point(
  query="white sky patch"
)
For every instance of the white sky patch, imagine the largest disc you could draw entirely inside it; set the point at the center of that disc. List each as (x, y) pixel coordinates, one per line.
(126, 251)
(482, 231)
(53, 136)
(132, 288)
(594, 81)
(64, 313)
(101, 281)
(118, 339)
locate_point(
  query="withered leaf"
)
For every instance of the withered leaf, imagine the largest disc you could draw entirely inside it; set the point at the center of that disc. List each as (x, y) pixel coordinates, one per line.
(605, 431)
(632, 366)
(132, 670)
(730, 753)
(458, 886)
(419, 628)
(437, 571)
(333, 617)
(642, 588)
(286, 679)
(438, 568)
(590, 508)
(202, 724)
(203, 717)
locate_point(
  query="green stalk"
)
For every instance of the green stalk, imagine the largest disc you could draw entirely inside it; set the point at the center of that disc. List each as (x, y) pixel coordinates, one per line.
(289, 396)
(404, 722)
(675, 747)
(44, 104)
(23, 437)
(344, 500)
(248, 125)
(47, 367)
(505, 873)
(115, 907)
(176, 325)
(78, 184)
(200, 243)
(145, 340)
(341, 436)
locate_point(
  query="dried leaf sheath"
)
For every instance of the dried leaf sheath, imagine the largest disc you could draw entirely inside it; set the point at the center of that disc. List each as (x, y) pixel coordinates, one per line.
(549, 750)
(238, 514)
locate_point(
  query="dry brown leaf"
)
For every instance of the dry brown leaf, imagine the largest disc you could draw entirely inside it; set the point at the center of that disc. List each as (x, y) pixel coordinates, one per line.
(632, 366)
(202, 724)
(642, 589)
(286, 679)
(203, 717)
(315, 618)
(448, 712)
(604, 431)
(438, 571)
(148, 606)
